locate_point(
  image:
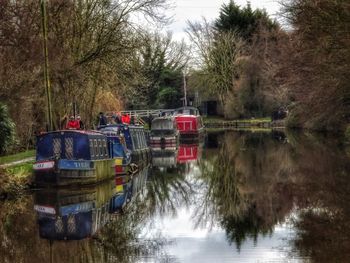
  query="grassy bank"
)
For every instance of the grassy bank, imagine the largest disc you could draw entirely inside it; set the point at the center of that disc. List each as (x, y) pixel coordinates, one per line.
(214, 119)
(219, 122)
(17, 157)
(15, 179)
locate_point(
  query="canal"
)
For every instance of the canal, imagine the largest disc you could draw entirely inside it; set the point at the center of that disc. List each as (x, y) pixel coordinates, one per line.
(234, 197)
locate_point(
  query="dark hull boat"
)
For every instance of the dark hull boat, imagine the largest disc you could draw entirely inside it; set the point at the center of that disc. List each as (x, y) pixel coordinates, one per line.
(71, 157)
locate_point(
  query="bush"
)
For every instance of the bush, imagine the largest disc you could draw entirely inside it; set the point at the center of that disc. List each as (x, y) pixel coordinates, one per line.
(7, 129)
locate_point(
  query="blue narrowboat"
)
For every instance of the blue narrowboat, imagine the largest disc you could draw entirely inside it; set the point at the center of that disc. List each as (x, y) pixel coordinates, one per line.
(72, 157)
(135, 140)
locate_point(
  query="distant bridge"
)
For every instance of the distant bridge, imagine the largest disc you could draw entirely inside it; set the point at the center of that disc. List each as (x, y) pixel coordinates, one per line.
(139, 114)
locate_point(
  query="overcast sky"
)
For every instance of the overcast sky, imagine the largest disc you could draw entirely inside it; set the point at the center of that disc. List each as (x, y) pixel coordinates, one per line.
(193, 10)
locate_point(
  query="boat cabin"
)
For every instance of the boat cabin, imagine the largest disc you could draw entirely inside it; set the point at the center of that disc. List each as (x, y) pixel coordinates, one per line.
(189, 121)
(72, 145)
(134, 136)
(163, 126)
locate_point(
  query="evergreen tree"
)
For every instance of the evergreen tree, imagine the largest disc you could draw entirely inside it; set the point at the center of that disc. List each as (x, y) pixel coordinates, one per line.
(243, 21)
(6, 129)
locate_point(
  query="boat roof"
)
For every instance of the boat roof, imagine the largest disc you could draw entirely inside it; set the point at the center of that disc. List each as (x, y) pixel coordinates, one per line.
(187, 108)
(168, 117)
(119, 125)
(83, 132)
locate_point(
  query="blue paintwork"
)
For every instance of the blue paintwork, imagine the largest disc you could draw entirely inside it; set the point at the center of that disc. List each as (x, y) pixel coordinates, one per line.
(130, 135)
(117, 202)
(76, 208)
(81, 144)
(81, 158)
(75, 165)
(82, 224)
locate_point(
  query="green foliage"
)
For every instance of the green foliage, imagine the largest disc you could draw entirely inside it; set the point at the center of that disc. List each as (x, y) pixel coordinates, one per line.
(243, 21)
(17, 157)
(7, 129)
(168, 97)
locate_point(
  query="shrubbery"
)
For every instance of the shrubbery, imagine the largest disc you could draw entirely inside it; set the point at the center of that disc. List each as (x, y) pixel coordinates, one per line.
(7, 128)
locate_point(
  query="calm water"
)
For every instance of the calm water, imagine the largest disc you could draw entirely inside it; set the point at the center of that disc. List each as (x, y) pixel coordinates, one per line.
(235, 197)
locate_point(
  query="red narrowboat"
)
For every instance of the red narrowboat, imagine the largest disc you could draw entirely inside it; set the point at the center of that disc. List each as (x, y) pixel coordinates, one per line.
(189, 122)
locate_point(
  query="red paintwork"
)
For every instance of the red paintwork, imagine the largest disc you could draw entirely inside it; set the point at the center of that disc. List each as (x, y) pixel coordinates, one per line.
(187, 153)
(188, 124)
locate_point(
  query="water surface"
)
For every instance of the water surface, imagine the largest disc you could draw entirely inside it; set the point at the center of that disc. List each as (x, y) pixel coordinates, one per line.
(235, 197)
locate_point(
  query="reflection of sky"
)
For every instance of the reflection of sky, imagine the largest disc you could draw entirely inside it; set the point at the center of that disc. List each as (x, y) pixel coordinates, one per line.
(204, 245)
(186, 243)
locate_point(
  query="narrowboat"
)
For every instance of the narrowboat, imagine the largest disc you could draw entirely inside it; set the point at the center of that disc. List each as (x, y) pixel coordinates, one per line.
(119, 151)
(73, 157)
(189, 122)
(135, 141)
(67, 214)
(164, 133)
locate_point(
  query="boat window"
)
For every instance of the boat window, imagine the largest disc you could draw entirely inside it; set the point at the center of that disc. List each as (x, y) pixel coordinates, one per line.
(57, 147)
(105, 147)
(92, 152)
(140, 139)
(96, 147)
(99, 147)
(68, 145)
(136, 140)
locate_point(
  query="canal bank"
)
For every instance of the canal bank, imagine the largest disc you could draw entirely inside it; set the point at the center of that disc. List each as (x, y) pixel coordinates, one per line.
(221, 123)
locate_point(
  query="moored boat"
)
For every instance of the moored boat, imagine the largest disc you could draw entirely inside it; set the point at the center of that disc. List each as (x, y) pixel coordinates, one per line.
(189, 122)
(73, 157)
(135, 141)
(164, 133)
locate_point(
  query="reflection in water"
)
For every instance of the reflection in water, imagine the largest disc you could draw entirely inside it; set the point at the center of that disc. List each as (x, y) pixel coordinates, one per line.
(245, 196)
(323, 198)
(247, 185)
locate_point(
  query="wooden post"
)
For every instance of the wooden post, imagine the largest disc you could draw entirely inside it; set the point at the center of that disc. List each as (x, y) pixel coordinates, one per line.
(46, 66)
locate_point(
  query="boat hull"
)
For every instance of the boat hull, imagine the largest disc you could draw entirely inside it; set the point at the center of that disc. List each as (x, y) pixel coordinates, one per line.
(73, 172)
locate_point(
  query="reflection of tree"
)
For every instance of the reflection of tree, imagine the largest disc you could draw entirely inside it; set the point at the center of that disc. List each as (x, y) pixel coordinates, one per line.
(323, 230)
(167, 190)
(246, 185)
(119, 240)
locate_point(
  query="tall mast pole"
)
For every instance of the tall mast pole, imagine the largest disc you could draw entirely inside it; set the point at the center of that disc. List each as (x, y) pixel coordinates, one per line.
(185, 89)
(46, 66)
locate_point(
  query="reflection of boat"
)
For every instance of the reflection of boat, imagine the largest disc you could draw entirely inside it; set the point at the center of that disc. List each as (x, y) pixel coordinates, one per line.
(74, 214)
(164, 158)
(164, 133)
(135, 139)
(122, 187)
(189, 122)
(187, 153)
(76, 157)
